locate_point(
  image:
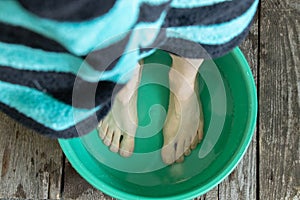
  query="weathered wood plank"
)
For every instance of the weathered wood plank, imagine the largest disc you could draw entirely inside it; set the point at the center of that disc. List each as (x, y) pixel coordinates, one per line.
(211, 195)
(241, 184)
(30, 164)
(280, 5)
(279, 100)
(75, 187)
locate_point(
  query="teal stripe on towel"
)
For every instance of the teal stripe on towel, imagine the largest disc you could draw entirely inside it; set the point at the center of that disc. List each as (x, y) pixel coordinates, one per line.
(195, 3)
(26, 58)
(215, 34)
(78, 37)
(41, 107)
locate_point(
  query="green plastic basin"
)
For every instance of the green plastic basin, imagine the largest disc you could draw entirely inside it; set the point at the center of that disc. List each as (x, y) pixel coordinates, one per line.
(228, 96)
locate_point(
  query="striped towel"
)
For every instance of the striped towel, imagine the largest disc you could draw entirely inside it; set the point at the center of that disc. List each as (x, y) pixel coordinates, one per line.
(61, 60)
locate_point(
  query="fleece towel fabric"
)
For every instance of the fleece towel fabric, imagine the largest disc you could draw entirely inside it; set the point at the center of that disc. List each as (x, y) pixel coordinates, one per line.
(61, 60)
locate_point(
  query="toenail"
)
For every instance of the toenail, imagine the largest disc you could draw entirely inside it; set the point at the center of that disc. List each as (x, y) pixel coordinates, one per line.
(125, 153)
(114, 148)
(106, 142)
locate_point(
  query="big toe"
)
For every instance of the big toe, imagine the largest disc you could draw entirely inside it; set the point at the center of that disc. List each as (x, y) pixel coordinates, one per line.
(168, 153)
(180, 151)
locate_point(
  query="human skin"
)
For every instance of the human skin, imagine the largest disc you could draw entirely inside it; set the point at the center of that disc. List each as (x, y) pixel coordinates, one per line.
(183, 128)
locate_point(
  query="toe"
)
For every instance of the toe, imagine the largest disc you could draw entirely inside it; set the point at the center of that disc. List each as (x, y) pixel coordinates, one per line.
(200, 132)
(168, 153)
(107, 140)
(115, 141)
(102, 129)
(127, 146)
(187, 150)
(179, 149)
(200, 135)
(180, 160)
(194, 143)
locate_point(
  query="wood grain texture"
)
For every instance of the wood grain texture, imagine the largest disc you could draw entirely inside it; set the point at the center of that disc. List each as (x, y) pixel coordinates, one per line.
(280, 5)
(279, 101)
(75, 187)
(211, 195)
(30, 164)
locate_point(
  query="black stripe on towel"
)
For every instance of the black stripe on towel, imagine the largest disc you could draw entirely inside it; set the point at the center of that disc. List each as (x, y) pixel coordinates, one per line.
(207, 15)
(106, 58)
(190, 49)
(151, 13)
(68, 10)
(19, 35)
(61, 85)
(101, 60)
(85, 126)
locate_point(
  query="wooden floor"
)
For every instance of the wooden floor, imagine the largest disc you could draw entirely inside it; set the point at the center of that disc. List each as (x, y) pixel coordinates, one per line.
(34, 167)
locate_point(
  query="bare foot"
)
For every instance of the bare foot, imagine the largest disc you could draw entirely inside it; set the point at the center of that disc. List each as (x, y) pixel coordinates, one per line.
(183, 128)
(118, 128)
